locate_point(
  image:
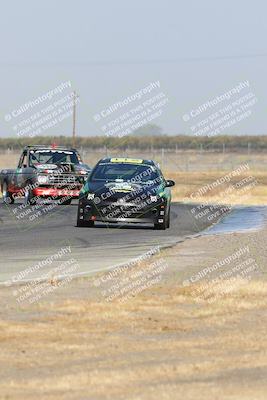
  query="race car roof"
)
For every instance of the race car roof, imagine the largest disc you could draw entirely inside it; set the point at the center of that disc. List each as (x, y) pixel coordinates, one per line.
(49, 147)
(126, 160)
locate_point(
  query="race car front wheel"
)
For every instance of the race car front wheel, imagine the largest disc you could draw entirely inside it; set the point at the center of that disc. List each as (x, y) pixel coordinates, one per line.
(65, 202)
(30, 199)
(7, 196)
(163, 225)
(160, 226)
(81, 223)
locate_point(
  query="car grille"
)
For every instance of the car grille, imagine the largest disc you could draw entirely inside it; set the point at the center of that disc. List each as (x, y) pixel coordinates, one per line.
(123, 211)
(63, 179)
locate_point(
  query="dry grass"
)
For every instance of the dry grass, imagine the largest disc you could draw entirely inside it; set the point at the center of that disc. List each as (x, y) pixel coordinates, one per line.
(161, 344)
(189, 183)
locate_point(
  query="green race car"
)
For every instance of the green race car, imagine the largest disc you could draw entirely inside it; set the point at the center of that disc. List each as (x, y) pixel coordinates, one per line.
(120, 190)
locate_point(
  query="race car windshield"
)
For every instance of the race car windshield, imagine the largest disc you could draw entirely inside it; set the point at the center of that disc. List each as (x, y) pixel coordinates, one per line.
(125, 172)
(52, 157)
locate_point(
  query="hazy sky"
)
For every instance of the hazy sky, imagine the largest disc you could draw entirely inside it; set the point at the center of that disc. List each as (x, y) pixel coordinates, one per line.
(111, 49)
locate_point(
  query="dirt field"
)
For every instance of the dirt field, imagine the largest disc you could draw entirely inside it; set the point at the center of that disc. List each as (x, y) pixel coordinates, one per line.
(162, 343)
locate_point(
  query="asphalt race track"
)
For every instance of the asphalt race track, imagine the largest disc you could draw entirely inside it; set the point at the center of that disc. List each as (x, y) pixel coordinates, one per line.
(25, 239)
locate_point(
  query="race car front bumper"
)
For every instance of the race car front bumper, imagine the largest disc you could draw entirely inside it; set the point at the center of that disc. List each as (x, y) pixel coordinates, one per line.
(88, 211)
(55, 192)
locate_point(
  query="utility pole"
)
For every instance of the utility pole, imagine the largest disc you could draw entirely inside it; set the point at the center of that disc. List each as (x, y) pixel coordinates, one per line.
(74, 119)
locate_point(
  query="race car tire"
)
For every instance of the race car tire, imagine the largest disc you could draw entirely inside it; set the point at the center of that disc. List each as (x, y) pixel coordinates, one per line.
(168, 219)
(88, 224)
(65, 202)
(7, 196)
(160, 226)
(30, 199)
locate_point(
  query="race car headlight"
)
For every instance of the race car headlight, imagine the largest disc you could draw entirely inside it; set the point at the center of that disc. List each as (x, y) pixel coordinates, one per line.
(42, 179)
(90, 196)
(153, 199)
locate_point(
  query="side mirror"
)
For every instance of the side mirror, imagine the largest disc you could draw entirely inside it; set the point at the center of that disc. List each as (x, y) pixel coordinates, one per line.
(169, 183)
